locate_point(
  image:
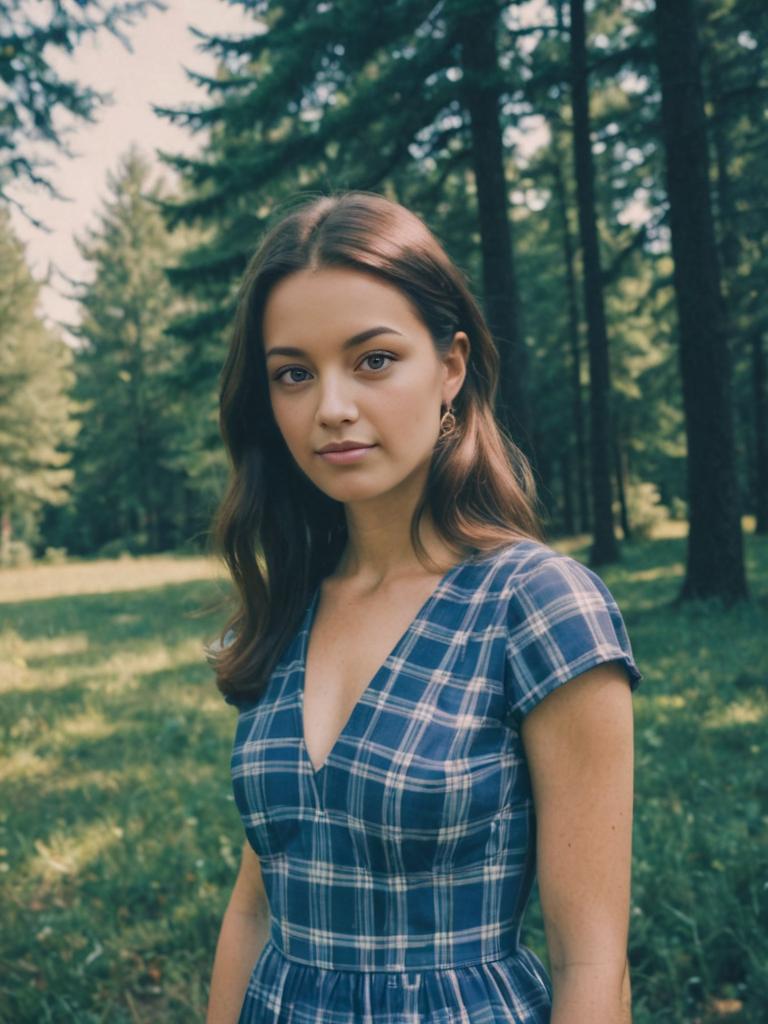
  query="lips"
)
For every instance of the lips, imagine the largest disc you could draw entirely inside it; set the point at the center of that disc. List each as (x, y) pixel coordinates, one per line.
(342, 447)
(350, 455)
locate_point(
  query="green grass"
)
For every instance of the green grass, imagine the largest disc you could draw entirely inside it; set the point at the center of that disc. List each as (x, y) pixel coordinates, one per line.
(119, 839)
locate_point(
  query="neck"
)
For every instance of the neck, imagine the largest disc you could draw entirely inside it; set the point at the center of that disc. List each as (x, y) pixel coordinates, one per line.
(379, 547)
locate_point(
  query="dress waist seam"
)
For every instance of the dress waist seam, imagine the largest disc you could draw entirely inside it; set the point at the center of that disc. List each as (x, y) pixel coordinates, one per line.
(502, 954)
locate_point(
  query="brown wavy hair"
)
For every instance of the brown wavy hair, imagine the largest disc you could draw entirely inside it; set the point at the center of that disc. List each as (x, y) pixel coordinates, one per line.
(278, 533)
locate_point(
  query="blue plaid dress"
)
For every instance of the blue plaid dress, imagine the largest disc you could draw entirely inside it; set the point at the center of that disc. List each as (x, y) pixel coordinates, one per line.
(398, 874)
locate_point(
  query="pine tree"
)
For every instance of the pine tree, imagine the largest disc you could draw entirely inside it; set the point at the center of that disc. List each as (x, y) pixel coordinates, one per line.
(715, 564)
(604, 546)
(36, 415)
(734, 50)
(34, 92)
(332, 96)
(129, 488)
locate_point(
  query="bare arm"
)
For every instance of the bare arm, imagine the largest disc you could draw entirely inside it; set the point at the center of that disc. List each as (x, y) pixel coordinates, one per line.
(579, 745)
(243, 935)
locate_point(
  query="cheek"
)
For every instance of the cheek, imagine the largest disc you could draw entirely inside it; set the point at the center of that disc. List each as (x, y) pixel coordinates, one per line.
(289, 419)
(413, 409)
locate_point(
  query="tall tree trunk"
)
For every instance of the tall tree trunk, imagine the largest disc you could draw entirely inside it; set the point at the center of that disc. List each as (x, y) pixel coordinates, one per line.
(715, 563)
(726, 206)
(481, 92)
(146, 514)
(604, 546)
(761, 431)
(577, 408)
(569, 512)
(730, 251)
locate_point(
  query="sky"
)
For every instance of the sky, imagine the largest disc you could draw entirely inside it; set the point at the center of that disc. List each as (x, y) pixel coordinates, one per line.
(153, 73)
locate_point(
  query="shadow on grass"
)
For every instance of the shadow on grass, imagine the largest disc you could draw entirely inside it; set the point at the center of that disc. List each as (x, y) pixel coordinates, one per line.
(116, 823)
(121, 838)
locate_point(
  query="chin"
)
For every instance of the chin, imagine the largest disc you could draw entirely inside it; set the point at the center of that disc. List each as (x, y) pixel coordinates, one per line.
(351, 484)
(352, 492)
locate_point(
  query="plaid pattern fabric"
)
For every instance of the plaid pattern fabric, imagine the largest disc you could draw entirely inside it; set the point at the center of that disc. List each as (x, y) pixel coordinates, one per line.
(398, 873)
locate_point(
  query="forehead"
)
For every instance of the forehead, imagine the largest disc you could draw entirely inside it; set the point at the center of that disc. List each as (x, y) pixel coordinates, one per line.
(334, 299)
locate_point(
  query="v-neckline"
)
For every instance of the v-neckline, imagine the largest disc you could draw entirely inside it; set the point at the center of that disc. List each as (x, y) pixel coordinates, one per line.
(425, 608)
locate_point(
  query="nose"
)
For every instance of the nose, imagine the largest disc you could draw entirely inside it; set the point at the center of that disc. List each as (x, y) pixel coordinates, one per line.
(336, 405)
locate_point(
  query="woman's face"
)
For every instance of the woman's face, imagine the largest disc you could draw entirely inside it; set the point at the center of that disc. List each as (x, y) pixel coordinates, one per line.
(348, 359)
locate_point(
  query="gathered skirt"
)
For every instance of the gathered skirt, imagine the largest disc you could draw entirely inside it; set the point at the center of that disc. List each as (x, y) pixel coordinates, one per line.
(514, 989)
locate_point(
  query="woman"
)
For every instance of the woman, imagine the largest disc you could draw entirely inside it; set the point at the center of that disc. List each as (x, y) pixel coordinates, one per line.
(400, 775)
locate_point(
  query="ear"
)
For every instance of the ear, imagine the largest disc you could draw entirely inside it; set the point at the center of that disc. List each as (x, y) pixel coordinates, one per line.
(455, 366)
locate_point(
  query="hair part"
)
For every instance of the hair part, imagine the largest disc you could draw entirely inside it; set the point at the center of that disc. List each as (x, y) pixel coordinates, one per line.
(278, 533)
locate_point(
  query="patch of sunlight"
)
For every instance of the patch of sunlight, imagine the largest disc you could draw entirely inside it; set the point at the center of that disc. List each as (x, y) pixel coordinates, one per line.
(89, 726)
(23, 764)
(13, 673)
(658, 572)
(68, 782)
(669, 528)
(16, 653)
(57, 678)
(574, 542)
(17, 674)
(735, 713)
(109, 575)
(67, 853)
(59, 646)
(191, 698)
(192, 651)
(669, 700)
(125, 619)
(124, 667)
(13, 664)
(678, 528)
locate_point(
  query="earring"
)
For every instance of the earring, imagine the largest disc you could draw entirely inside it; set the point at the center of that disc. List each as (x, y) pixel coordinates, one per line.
(447, 423)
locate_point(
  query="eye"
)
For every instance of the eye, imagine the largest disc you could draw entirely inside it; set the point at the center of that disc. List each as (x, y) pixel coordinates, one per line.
(291, 381)
(287, 370)
(378, 355)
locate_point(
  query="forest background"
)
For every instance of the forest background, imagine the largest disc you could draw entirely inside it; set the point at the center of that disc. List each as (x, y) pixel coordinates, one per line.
(598, 173)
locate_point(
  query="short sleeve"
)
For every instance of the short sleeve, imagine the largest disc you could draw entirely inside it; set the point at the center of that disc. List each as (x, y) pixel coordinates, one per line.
(561, 620)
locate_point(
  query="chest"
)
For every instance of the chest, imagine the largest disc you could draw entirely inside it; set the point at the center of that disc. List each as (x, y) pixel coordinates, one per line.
(415, 769)
(350, 640)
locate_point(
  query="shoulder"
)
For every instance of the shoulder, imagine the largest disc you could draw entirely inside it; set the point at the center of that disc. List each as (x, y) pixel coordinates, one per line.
(560, 620)
(537, 576)
(527, 569)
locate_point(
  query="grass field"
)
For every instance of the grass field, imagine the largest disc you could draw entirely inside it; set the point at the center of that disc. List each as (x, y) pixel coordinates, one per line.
(119, 839)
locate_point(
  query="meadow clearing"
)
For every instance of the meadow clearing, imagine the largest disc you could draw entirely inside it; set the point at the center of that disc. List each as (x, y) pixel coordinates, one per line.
(119, 838)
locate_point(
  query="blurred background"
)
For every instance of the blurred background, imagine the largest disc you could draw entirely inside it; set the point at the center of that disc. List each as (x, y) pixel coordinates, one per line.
(598, 172)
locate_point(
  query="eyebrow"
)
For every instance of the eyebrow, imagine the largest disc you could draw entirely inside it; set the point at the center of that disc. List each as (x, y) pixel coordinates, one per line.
(356, 339)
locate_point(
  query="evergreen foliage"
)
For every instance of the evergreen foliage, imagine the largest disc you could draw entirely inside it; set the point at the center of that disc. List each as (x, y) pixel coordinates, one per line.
(33, 91)
(326, 96)
(131, 486)
(36, 414)
(347, 101)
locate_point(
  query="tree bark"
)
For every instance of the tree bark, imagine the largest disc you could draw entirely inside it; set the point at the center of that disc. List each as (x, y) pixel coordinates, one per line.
(481, 92)
(730, 251)
(715, 559)
(761, 431)
(728, 216)
(569, 512)
(605, 548)
(577, 409)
